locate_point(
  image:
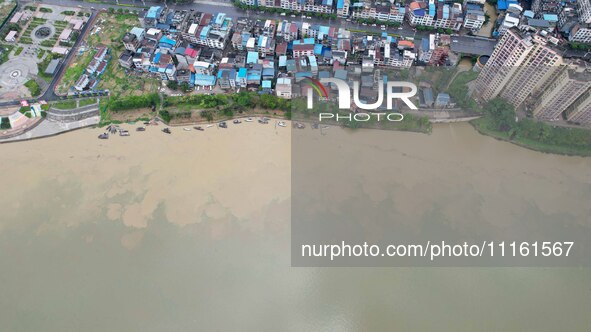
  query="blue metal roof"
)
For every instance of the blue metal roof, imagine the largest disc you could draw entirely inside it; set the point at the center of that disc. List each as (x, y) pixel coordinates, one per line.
(207, 80)
(529, 14)
(551, 17)
(220, 18)
(204, 32)
(504, 4)
(165, 40)
(304, 42)
(266, 84)
(242, 73)
(318, 49)
(252, 57)
(340, 4)
(154, 12)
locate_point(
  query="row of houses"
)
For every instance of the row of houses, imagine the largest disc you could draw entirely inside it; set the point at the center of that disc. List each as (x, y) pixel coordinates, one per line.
(264, 55)
(444, 14)
(571, 19)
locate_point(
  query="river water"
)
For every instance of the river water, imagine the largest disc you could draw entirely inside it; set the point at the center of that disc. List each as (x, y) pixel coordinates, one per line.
(190, 232)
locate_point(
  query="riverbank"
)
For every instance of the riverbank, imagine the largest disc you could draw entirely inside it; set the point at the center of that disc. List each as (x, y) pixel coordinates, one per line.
(501, 122)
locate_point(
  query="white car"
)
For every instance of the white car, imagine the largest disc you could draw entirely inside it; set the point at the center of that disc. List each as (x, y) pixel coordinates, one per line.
(282, 124)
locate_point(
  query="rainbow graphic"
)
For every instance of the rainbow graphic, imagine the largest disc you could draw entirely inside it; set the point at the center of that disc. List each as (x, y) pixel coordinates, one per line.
(316, 85)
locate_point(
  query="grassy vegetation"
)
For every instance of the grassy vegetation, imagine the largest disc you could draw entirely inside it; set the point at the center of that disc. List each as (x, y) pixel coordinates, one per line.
(33, 87)
(41, 54)
(73, 103)
(45, 10)
(65, 104)
(74, 71)
(499, 122)
(6, 8)
(6, 49)
(68, 12)
(86, 102)
(114, 79)
(458, 90)
(18, 51)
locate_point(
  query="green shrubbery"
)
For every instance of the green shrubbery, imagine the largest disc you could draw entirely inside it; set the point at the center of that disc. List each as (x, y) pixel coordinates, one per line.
(134, 102)
(33, 87)
(499, 121)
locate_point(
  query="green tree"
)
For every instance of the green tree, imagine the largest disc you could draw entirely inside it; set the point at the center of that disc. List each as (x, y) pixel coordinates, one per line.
(172, 85)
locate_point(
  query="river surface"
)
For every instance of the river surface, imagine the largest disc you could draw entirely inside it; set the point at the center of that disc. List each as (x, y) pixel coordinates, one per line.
(191, 232)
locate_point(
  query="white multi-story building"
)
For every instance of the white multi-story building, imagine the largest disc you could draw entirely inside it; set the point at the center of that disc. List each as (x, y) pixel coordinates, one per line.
(580, 110)
(393, 57)
(435, 14)
(343, 8)
(506, 62)
(377, 12)
(474, 18)
(317, 6)
(509, 21)
(564, 90)
(580, 33)
(584, 9)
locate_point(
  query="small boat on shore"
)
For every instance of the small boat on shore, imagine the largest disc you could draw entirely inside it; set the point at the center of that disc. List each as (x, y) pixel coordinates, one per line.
(282, 124)
(263, 121)
(315, 125)
(248, 120)
(300, 125)
(209, 126)
(140, 129)
(199, 128)
(166, 131)
(187, 129)
(104, 136)
(123, 132)
(112, 129)
(222, 124)
(236, 121)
